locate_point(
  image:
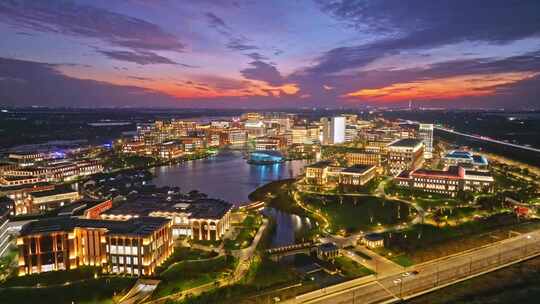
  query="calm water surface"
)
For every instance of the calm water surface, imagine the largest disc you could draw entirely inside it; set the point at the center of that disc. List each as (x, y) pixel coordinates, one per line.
(226, 176)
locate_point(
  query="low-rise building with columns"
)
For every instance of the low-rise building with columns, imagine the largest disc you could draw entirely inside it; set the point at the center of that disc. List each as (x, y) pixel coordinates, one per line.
(201, 219)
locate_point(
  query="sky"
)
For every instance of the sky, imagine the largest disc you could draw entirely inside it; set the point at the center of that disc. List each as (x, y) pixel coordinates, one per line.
(270, 53)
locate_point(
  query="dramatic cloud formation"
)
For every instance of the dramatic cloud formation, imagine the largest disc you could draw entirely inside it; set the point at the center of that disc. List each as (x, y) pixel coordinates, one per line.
(281, 53)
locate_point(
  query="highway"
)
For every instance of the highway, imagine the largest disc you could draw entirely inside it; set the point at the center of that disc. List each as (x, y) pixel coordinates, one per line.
(478, 137)
(484, 138)
(428, 276)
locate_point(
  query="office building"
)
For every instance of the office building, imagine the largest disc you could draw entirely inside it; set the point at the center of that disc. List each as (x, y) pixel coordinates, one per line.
(134, 247)
(337, 130)
(5, 205)
(446, 182)
(405, 154)
(202, 219)
(465, 159)
(425, 133)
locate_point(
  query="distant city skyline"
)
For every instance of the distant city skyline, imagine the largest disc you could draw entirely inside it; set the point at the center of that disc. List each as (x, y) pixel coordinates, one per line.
(270, 54)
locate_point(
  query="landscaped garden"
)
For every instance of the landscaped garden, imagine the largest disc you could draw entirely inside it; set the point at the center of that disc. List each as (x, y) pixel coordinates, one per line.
(247, 231)
(186, 253)
(352, 214)
(351, 269)
(188, 274)
(258, 286)
(81, 285)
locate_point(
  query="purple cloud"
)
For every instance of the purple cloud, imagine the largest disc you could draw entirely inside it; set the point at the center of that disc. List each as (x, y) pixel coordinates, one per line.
(66, 17)
(261, 70)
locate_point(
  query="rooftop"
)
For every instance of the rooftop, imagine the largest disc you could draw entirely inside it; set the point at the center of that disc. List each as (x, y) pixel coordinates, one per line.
(138, 227)
(452, 172)
(321, 164)
(55, 191)
(358, 169)
(144, 205)
(406, 142)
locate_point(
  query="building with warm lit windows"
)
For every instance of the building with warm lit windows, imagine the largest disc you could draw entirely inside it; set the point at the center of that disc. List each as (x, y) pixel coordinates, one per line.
(41, 201)
(337, 130)
(363, 157)
(315, 172)
(203, 219)
(425, 133)
(5, 208)
(134, 247)
(305, 134)
(446, 182)
(405, 154)
(357, 175)
(324, 174)
(465, 158)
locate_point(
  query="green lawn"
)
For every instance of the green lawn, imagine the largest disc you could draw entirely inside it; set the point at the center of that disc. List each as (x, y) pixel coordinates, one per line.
(248, 230)
(402, 260)
(264, 275)
(90, 291)
(364, 213)
(186, 275)
(185, 253)
(53, 277)
(350, 268)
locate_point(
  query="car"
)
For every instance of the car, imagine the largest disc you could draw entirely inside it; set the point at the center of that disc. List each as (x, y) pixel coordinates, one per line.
(415, 272)
(397, 281)
(405, 274)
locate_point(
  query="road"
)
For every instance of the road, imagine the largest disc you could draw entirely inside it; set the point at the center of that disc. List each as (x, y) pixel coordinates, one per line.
(438, 273)
(381, 265)
(484, 138)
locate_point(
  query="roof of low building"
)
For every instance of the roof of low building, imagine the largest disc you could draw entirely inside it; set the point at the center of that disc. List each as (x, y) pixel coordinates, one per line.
(144, 205)
(406, 142)
(374, 237)
(138, 226)
(452, 172)
(358, 169)
(320, 164)
(55, 191)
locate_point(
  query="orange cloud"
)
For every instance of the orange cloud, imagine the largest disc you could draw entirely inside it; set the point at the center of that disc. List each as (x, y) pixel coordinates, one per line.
(200, 86)
(443, 88)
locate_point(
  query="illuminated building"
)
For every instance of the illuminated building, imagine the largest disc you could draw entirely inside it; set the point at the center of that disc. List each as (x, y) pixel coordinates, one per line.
(315, 173)
(351, 133)
(405, 154)
(170, 150)
(134, 247)
(255, 128)
(446, 182)
(373, 240)
(263, 157)
(324, 174)
(357, 175)
(270, 143)
(425, 133)
(6, 205)
(235, 137)
(337, 130)
(203, 219)
(363, 157)
(465, 158)
(305, 134)
(40, 201)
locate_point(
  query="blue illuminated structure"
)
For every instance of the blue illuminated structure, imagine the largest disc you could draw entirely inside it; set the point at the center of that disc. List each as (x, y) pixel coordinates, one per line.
(265, 157)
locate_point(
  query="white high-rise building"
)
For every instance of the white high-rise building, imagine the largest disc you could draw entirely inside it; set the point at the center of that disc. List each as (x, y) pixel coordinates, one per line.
(337, 130)
(425, 132)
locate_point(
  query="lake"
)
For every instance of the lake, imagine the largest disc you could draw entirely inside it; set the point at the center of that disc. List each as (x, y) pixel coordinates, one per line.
(226, 175)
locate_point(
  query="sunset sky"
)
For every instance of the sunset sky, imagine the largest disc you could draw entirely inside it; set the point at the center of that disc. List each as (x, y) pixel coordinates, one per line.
(272, 53)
